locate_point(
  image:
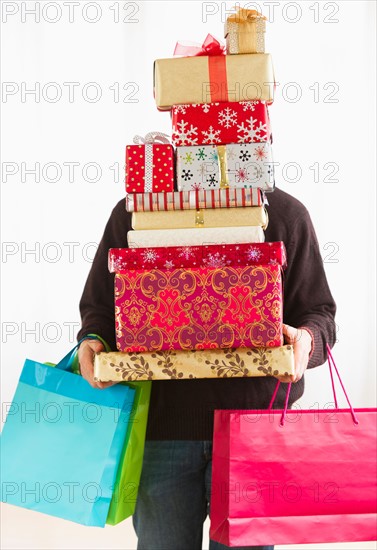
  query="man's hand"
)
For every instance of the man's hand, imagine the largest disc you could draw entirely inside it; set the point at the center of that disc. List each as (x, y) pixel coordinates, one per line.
(86, 353)
(301, 341)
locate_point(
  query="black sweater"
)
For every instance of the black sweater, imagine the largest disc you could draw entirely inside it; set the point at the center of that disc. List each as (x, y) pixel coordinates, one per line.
(183, 409)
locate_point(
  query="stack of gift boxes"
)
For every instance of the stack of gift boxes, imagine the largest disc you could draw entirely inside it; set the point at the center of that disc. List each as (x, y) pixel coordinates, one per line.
(198, 293)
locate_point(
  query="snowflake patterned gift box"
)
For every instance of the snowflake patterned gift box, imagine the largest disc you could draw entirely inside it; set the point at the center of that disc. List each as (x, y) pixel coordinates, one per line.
(172, 257)
(220, 123)
(194, 200)
(213, 217)
(199, 308)
(222, 166)
(149, 167)
(194, 236)
(208, 79)
(116, 366)
(244, 32)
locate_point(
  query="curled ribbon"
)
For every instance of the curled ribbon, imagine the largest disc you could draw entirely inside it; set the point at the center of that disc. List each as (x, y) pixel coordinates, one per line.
(210, 46)
(152, 137)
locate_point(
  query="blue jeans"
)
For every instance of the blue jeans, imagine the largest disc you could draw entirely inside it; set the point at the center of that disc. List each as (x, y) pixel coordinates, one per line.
(174, 495)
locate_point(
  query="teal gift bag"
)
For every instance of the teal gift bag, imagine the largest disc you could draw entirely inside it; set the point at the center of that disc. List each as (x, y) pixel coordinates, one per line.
(62, 442)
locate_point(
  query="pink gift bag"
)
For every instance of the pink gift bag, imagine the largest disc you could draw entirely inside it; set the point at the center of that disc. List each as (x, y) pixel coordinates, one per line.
(294, 476)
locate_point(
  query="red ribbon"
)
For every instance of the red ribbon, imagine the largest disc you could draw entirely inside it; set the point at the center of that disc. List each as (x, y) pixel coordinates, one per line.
(210, 46)
(215, 51)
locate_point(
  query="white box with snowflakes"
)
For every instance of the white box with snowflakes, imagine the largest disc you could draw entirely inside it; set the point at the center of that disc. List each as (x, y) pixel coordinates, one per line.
(220, 123)
(225, 166)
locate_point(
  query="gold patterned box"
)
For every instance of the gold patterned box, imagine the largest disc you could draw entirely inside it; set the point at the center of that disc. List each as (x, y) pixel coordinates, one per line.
(244, 32)
(208, 79)
(216, 217)
(214, 363)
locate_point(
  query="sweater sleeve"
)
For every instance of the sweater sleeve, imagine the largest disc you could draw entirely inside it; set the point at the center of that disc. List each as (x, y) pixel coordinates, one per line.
(97, 301)
(308, 302)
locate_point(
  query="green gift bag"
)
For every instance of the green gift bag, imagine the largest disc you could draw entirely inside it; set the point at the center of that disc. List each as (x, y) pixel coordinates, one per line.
(126, 485)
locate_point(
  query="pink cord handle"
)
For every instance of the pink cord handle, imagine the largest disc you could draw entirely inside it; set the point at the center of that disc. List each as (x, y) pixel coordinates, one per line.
(331, 363)
(330, 360)
(282, 419)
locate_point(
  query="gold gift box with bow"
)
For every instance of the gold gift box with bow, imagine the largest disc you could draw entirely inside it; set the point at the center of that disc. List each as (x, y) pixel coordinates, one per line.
(180, 80)
(211, 363)
(244, 32)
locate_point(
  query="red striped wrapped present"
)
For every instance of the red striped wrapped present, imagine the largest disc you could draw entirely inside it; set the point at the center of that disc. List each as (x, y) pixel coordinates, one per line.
(194, 200)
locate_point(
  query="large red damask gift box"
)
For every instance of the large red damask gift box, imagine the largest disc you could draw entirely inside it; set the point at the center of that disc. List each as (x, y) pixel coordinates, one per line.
(173, 257)
(199, 308)
(221, 122)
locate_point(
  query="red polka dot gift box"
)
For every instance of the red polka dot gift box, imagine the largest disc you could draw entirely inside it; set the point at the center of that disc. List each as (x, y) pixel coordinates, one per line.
(150, 165)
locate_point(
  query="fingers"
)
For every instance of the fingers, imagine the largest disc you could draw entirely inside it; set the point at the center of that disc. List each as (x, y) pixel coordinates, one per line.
(86, 353)
(103, 385)
(286, 379)
(302, 343)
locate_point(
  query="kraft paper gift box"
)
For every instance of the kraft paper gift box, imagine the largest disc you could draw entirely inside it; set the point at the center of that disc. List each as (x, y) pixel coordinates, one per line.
(172, 257)
(209, 79)
(194, 200)
(215, 217)
(244, 32)
(149, 167)
(199, 308)
(220, 166)
(179, 365)
(222, 123)
(196, 236)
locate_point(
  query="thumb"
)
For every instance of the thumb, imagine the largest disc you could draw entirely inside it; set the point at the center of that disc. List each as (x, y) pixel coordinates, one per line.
(95, 345)
(290, 333)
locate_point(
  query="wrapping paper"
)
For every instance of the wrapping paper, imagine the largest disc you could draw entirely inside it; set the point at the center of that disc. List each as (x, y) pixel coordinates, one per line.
(181, 80)
(226, 122)
(194, 237)
(244, 32)
(194, 200)
(149, 167)
(179, 365)
(199, 308)
(173, 257)
(221, 166)
(214, 217)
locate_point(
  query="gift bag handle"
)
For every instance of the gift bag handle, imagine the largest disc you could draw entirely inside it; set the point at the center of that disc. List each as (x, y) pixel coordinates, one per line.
(331, 363)
(66, 362)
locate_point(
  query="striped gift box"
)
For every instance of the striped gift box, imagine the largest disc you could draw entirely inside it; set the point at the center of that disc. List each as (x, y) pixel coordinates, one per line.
(194, 200)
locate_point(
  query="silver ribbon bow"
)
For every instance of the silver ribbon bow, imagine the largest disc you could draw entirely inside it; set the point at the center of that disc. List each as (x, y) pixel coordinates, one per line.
(152, 137)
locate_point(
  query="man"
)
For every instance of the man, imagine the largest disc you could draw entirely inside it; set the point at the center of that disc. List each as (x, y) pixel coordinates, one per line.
(175, 485)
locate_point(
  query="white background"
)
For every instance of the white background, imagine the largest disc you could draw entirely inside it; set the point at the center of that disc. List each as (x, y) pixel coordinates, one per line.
(41, 291)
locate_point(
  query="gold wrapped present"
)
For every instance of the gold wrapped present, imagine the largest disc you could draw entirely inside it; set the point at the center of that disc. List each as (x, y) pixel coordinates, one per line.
(249, 215)
(208, 79)
(172, 365)
(194, 237)
(244, 32)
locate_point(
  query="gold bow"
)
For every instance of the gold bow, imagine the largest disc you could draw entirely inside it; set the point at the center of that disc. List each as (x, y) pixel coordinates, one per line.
(245, 16)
